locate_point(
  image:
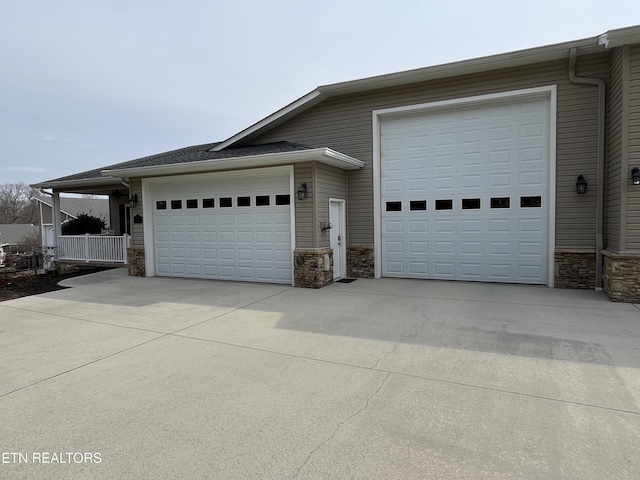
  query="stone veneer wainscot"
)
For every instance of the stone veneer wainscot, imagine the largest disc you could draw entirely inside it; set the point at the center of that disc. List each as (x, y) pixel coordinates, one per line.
(310, 268)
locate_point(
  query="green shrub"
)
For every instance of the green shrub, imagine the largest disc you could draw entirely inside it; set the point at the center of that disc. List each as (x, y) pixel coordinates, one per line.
(83, 224)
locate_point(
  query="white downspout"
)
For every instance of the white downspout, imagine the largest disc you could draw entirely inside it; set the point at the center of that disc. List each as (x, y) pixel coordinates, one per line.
(600, 161)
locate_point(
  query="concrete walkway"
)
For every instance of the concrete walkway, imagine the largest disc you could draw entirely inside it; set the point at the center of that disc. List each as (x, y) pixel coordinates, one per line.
(170, 378)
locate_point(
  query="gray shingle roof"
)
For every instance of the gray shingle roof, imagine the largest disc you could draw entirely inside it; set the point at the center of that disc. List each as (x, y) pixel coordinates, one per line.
(194, 153)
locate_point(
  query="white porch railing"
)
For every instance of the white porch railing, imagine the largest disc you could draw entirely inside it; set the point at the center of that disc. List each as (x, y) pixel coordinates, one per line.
(94, 248)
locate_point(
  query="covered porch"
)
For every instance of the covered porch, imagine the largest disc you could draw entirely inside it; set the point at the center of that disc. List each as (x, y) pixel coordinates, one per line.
(106, 248)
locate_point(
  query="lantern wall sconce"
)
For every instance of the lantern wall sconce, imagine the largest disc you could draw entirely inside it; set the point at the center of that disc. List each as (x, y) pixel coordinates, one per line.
(635, 175)
(133, 201)
(302, 191)
(581, 185)
(324, 226)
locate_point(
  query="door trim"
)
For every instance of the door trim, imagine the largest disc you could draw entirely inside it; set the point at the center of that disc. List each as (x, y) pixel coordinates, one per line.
(341, 204)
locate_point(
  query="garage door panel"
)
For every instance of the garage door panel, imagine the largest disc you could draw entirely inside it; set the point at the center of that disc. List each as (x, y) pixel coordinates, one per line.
(194, 269)
(485, 158)
(226, 236)
(201, 237)
(207, 219)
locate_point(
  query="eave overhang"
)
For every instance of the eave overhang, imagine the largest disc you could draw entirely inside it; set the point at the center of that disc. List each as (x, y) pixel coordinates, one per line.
(321, 155)
(78, 186)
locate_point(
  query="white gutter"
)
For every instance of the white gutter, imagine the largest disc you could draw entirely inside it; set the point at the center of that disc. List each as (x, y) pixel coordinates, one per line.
(600, 161)
(322, 155)
(72, 184)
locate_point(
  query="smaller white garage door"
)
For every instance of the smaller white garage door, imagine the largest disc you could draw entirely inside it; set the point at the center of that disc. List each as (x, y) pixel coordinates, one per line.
(225, 227)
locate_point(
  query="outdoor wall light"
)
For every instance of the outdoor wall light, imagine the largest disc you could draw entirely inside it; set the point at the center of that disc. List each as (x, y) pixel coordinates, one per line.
(133, 201)
(581, 185)
(635, 175)
(302, 191)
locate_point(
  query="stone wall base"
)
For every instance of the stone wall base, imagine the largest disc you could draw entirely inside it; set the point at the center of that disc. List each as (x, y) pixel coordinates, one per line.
(361, 262)
(135, 258)
(621, 277)
(313, 268)
(575, 269)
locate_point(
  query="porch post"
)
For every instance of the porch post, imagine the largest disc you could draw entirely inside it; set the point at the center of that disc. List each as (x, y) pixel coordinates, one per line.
(55, 217)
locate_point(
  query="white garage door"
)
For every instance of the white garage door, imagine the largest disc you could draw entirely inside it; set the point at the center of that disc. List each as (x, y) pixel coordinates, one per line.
(224, 227)
(464, 192)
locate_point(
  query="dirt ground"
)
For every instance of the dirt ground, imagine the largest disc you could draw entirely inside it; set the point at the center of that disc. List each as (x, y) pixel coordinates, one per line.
(25, 283)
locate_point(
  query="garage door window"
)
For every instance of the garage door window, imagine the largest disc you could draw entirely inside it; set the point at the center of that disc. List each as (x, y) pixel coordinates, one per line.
(500, 202)
(394, 206)
(530, 202)
(192, 203)
(176, 204)
(244, 201)
(418, 205)
(262, 201)
(470, 203)
(161, 205)
(283, 200)
(208, 203)
(226, 202)
(444, 204)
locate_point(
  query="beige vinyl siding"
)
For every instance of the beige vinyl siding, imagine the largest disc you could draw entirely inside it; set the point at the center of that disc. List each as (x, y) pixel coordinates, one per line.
(331, 182)
(614, 162)
(304, 173)
(345, 124)
(137, 229)
(633, 192)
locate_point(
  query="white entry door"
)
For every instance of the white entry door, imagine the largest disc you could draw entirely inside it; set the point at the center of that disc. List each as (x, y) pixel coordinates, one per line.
(337, 237)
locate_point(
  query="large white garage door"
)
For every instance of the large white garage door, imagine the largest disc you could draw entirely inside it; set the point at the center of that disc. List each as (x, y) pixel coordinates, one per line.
(465, 193)
(226, 227)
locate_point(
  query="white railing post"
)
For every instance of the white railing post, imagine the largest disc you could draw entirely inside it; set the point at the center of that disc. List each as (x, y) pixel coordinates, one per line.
(86, 248)
(125, 244)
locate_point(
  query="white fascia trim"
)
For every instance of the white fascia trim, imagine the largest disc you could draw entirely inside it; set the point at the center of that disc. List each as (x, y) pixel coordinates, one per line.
(341, 160)
(85, 182)
(322, 155)
(283, 112)
(551, 91)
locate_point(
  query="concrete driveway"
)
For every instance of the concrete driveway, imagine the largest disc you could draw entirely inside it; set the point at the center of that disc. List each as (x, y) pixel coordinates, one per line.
(123, 377)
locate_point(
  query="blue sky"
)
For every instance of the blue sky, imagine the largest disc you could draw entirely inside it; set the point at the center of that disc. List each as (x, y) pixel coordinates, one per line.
(85, 84)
